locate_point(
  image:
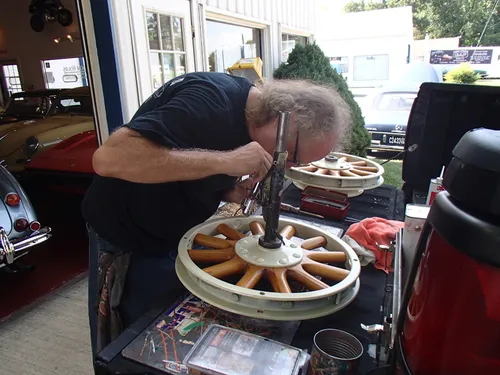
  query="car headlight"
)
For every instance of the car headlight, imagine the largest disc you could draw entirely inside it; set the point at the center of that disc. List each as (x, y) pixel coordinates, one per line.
(31, 146)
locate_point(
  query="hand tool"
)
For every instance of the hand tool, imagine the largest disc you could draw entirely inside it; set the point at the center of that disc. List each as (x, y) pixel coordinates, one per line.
(285, 207)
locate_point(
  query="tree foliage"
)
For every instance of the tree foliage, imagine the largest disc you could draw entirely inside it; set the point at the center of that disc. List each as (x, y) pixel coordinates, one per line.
(309, 62)
(462, 74)
(444, 18)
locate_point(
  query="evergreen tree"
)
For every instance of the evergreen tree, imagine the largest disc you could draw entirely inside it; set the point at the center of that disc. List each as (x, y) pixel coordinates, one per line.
(309, 62)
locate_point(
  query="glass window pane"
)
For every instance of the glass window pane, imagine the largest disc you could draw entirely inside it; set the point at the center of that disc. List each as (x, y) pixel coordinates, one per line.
(180, 64)
(166, 33)
(226, 44)
(168, 66)
(156, 72)
(178, 34)
(152, 21)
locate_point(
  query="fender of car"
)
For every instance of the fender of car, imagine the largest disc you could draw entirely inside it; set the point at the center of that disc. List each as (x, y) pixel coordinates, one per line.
(66, 167)
(72, 115)
(19, 227)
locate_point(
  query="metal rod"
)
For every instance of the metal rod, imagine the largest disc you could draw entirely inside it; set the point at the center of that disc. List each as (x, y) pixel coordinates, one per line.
(271, 238)
(396, 289)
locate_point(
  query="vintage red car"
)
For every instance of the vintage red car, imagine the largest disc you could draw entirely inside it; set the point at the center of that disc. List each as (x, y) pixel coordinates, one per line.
(66, 167)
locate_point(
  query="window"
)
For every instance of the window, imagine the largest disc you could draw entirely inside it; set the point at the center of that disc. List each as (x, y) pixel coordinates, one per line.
(373, 67)
(396, 101)
(340, 64)
(75, 105)
(288, 42)
(167, 51)
(64, 73)
(226, 44)
(12, 79)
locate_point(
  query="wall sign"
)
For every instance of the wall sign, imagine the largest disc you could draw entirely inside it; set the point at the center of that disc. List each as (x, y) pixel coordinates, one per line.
(458, 56)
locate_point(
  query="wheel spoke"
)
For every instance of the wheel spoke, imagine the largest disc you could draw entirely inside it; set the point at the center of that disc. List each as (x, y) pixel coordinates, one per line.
(256, 227)
(310, 282)
(347, 174)
(360, 163)
(360, 172)
(326, 256)
(231, 267)
(277, 278)
(322, 171)
(334, 173)
(288, 231)
(368, 169)
(326, 271)
(252, 276)
(211, 241)
(230, 232)
(211, 255)
(313, 243)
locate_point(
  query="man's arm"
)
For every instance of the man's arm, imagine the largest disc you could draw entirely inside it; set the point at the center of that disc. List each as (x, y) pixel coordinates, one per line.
(128, 156)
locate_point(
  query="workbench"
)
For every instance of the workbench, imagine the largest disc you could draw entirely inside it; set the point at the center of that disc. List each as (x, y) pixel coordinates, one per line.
(386, 202)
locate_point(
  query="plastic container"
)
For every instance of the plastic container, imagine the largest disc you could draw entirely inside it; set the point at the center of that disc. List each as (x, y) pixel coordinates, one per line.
(228, 351)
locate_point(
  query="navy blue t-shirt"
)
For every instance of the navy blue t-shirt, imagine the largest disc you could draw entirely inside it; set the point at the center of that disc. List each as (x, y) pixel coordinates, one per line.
(198, 110)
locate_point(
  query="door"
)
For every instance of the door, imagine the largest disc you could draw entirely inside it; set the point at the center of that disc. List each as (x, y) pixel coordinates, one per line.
(163, 42)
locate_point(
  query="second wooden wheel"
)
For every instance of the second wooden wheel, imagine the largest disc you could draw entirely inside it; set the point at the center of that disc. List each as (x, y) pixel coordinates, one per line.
(339, 172)
(312, 274)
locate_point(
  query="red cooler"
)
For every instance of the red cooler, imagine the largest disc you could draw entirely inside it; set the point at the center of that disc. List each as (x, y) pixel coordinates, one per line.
(450, 316)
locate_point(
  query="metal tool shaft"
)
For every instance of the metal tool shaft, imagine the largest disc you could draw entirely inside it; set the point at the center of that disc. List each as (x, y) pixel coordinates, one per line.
(271, 238)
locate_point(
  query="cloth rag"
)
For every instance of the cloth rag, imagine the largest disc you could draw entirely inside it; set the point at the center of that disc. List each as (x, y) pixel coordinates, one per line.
(366, 236)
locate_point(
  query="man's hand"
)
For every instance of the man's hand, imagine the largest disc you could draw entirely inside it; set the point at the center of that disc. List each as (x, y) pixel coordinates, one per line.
(250, 159)
(240, 192)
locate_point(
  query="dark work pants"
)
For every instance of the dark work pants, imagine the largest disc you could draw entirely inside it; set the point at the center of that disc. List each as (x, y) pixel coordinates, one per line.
(151, 282)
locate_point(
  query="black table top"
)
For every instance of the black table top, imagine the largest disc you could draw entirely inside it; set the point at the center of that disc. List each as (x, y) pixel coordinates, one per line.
(386, 202)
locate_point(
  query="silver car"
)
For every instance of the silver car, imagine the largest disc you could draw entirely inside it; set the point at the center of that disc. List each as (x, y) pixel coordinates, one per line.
(19, 228)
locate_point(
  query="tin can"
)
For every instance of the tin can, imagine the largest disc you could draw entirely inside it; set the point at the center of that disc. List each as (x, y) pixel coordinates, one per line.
(435, 187)
(335, 352)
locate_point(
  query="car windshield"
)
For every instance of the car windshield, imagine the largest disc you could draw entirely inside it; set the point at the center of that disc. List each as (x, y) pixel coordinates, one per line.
(36, 106)
(396, 101)
(76, 105)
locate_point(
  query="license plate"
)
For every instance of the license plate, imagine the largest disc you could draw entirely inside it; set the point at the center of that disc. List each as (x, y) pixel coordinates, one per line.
(395, 140)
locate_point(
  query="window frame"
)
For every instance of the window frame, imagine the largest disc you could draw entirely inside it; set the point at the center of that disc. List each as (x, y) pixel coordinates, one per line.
(266, 52)
(161, 51)
(259, 46)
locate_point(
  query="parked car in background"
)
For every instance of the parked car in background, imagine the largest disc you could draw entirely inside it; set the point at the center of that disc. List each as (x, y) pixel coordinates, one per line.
(19, 228)
(386, 116)
(66, 167)
(28, 105)
(387, 110)
(72, 114)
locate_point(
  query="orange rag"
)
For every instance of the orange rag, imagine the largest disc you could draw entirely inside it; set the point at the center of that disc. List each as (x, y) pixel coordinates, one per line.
(368, 232)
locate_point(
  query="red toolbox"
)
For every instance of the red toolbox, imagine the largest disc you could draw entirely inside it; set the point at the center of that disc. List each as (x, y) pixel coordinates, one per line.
(327, 203)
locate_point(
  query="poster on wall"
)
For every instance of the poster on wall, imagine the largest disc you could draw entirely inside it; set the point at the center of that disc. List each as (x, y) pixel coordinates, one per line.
(64, 73)
(458, 56)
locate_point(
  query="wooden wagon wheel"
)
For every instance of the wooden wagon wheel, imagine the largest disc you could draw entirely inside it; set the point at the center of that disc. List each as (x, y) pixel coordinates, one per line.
(339, 172)
(232, 271)
(300, 263)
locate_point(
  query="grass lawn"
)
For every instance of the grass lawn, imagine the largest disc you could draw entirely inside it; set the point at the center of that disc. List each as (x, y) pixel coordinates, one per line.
(393, 172)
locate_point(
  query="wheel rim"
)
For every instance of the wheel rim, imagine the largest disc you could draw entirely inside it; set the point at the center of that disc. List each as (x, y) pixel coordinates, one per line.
(280, 299)
(339, 172)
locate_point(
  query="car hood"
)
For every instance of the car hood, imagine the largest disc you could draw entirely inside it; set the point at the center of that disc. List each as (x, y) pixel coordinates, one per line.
(71, 155)
(386, 120)
(15, 135)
